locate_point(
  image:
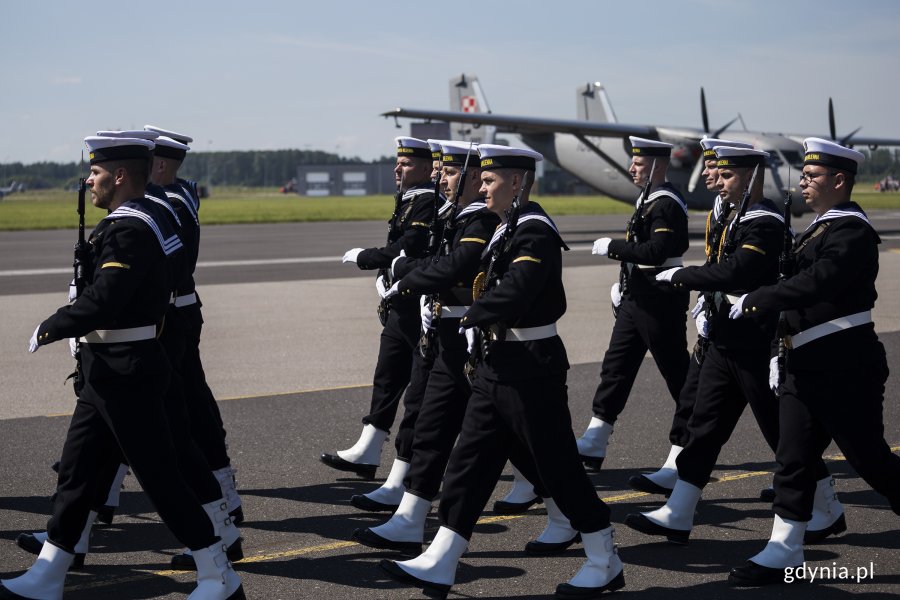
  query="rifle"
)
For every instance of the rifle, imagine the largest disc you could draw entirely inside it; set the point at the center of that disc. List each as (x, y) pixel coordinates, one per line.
(384, 306)
(631, 229)
(435, 232)
(785, 270)
(80, 266)
(731, 235)
(460, 189)
(487, 280)
(713, 240)
(426, 343)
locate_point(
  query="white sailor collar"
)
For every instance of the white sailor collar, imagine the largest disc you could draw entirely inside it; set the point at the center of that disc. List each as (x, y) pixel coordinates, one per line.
(847, 209)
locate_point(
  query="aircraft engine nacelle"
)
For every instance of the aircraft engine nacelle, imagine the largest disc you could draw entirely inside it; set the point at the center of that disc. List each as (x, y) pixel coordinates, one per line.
(684, 156)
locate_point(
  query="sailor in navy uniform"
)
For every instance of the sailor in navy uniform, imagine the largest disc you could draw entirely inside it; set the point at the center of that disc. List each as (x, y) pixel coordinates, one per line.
(836, 366)
(448, 280)
(650, 315)
(126, 373)
(735, 370)
(206, 425)
(387, 497)
(408, 231)
(518, 406)
(191, 461)
(663, 480)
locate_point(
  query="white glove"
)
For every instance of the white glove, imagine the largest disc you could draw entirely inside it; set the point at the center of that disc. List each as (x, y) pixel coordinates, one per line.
(351, 255)
(601, 246)
(702, 325)
(380, 285)
(471, 337)
(615, 294)
(393, 291)
(72, 291)
(773, 374)
(73, 346)
(425, 312)
(698, 308)
(737, 309)
(33, 343)
(667, 274)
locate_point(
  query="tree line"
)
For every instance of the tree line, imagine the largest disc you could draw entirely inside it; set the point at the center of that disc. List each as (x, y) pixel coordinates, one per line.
(249, 168)
(274, 168)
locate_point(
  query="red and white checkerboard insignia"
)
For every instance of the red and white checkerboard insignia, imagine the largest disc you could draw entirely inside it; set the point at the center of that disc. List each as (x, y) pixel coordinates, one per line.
(469, 104)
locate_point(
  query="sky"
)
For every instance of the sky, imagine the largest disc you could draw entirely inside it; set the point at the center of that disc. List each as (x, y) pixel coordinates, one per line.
(273, 74)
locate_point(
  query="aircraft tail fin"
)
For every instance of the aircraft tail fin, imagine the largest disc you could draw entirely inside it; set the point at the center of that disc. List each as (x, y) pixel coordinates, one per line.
(467, 95)
(593, 104)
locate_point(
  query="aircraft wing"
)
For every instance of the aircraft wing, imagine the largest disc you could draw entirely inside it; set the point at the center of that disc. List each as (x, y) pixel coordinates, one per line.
(856, 140)
(529, 125)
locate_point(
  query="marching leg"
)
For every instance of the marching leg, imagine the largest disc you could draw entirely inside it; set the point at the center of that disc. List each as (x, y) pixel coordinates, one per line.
(520, 498)
(784, 550)
(388, 496)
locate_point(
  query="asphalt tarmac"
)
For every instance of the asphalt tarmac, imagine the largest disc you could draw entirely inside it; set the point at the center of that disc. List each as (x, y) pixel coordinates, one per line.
(289, 346)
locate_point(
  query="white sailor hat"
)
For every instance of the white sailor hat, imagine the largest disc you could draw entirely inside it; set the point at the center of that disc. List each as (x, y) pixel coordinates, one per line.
(409, 146)
(708, 144)
(104, 148)
(435, 147)
(455, 154)
(178, 137)
(829, 154)
(732, 157)
(645, 147)
(130, 133)
(507, 157)
(166, 147)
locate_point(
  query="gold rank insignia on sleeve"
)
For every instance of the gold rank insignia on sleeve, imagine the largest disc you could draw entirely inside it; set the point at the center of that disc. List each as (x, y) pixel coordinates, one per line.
(754, 248)
(116, 265)
(418, 224)
(478, 285)
(663, 230)
(527, 259)
(477, 240)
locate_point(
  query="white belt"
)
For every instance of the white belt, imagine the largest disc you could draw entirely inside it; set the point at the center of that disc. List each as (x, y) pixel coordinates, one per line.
(672, 261)
(528, 334)
(186, 300)
(732, 299)
(453, 312)
(119, 336)
(806, 336)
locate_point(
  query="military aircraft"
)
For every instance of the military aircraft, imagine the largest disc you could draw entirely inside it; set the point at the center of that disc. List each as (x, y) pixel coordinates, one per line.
(595, 147)
(12, 187)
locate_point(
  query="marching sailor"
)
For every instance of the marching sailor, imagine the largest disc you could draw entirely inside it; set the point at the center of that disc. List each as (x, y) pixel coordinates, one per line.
(735, 370)
(117, 319)
(649, 315)
(832, 354)
(519, 407)
(408, 231)
(447, 278)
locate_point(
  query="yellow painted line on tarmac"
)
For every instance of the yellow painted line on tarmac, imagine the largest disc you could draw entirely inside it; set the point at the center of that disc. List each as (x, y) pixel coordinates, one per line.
(624, 497)
(341, 545)
(740, 476)
(297, 552)
(354, 386)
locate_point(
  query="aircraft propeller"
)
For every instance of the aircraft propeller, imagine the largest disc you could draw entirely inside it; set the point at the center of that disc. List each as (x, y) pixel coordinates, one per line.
(698, 168)
(844, 141)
